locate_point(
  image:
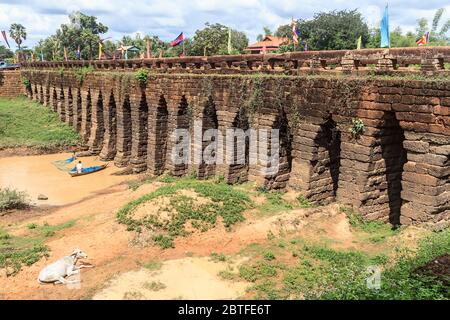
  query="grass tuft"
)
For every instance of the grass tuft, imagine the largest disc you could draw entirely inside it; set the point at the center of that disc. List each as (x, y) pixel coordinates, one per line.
(13, 199)
(226, 203)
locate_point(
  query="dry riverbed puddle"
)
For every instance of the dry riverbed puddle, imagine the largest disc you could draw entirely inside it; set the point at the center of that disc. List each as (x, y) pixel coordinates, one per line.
(200, 280)
(37, 175)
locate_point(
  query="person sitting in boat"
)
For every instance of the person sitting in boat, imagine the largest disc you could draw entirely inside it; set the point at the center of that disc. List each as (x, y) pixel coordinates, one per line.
(79, 167)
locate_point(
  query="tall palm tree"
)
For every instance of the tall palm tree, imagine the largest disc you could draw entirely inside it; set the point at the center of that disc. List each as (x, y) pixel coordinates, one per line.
(18, 33)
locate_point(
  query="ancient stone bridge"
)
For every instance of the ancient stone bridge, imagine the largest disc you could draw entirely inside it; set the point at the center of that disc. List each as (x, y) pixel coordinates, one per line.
(396, 167)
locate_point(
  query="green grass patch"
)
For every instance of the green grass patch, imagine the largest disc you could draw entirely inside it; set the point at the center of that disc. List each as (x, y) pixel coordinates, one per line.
(18, 251)
(304, 203)
(135, 184)
(218, 257)
(320, 272)
(154, 285)
(152, 265)
(13, 199)
(225, 202)
(47, 230)
(275, 202)
(25, 250)
(27, 123)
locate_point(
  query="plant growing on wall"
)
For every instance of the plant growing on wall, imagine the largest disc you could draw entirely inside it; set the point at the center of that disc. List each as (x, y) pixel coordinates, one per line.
(141, 76)
(357, 127)
(26, 83)
(80, 73)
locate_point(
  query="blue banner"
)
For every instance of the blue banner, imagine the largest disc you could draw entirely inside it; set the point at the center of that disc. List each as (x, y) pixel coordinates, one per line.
(384, 29)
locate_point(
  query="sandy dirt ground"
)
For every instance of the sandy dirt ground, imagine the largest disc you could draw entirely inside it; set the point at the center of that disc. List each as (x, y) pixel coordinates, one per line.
(200, 280)
(120, 260)
(111, 250)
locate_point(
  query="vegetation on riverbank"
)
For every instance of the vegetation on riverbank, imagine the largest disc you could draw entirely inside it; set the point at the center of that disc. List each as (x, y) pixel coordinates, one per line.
(13, 199)
(17, 251)
(177, 208)
(297, 268)
(24, 123)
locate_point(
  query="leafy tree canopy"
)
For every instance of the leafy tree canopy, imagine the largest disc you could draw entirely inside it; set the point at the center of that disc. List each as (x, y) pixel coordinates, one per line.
(214, 40)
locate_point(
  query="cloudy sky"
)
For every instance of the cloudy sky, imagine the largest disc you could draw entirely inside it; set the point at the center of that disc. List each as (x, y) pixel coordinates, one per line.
(167, 18)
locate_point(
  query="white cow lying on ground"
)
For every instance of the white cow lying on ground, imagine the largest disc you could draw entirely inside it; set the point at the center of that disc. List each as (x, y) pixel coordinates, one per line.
(64, 267)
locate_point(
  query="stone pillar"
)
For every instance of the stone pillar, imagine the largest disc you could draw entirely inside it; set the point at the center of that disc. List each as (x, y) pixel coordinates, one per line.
(46, 98)
(85, 115)
(95, 142)
(110, 117)
(349, 64)
(372, 164)
(315, 166)
(40, 94)
(77, 107)
(139, 121)
(53, 99)
(431, 63)
(426, 180)
(68, 106)
(158, 118)
(61, 104)
(258, 167)
(178, 119)
(35, 93)
(386, 63)
(207, 117)
(124, 133)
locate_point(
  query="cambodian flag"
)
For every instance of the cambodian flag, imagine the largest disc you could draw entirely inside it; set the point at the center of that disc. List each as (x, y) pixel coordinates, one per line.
(178, 40)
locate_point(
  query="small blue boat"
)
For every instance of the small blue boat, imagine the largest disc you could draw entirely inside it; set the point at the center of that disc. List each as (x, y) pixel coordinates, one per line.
(87, 170)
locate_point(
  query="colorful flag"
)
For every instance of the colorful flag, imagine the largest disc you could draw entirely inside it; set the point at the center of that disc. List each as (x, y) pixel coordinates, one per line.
(6, 39)
(100, 47)
(78, 53)
(358, 43)
(294, 33)
(384, 29)
(65, 53)
(423, 40)
(229, 41)
(178, 40)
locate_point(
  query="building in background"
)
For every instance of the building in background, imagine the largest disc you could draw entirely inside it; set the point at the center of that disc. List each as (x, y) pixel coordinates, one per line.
(269, 44)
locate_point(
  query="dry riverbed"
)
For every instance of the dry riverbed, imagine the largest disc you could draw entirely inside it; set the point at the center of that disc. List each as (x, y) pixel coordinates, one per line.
(201, 265)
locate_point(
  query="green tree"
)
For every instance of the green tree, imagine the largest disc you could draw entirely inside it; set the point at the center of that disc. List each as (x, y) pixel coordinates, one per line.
(5, 53)
(335, 30)
(214, 40)
(18, 33)
(267, 32)
(82, 30)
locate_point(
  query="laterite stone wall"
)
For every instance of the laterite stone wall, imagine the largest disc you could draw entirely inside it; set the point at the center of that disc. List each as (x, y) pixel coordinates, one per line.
(397, 169)
(11, 84)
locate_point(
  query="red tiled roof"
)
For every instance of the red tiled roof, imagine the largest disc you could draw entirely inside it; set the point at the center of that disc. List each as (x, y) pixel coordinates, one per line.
(269, 41)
